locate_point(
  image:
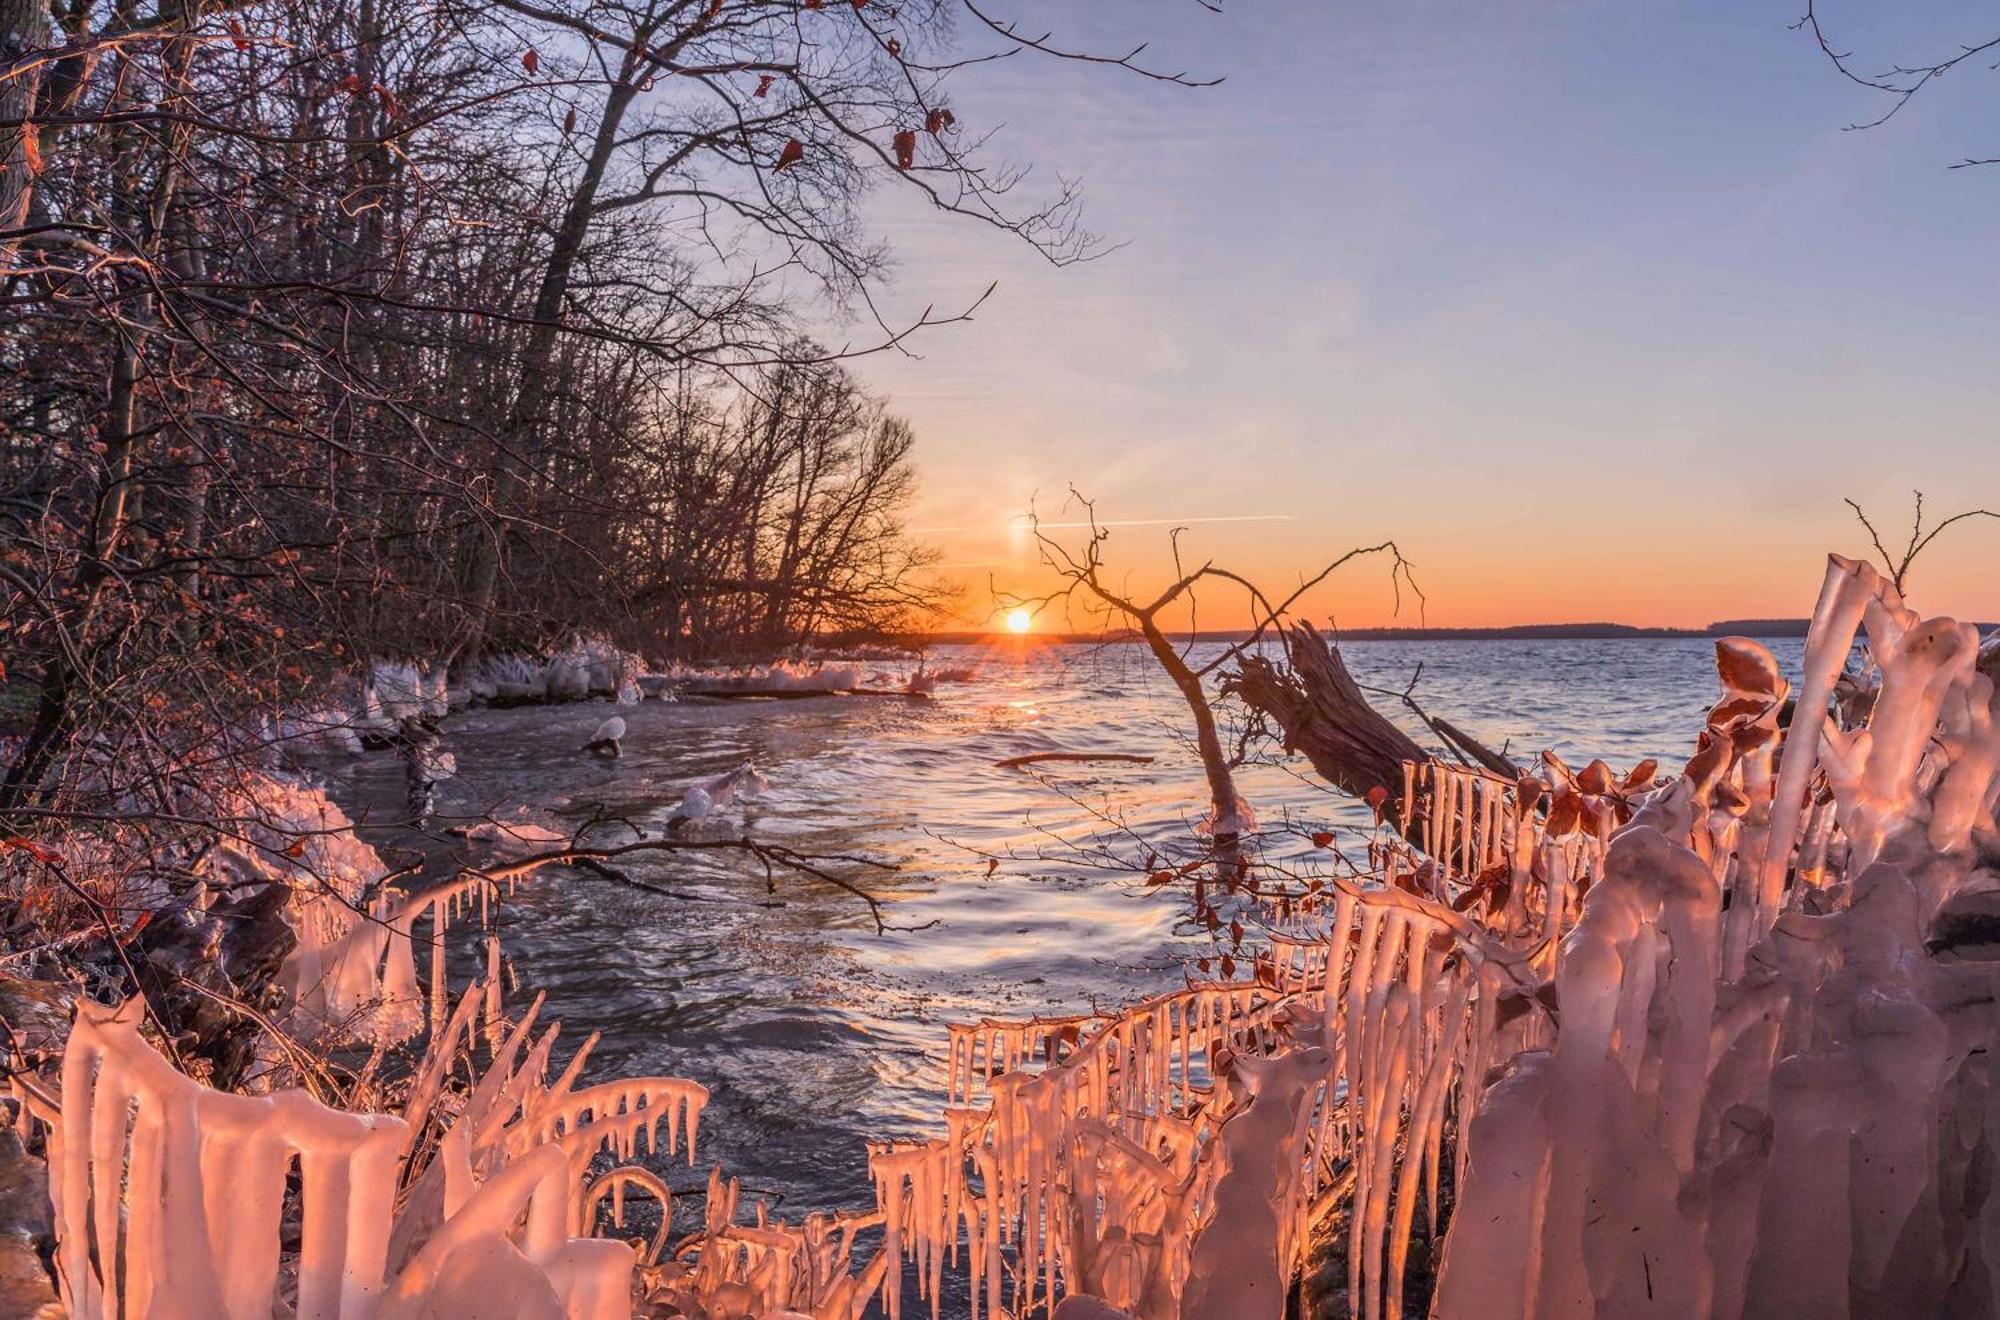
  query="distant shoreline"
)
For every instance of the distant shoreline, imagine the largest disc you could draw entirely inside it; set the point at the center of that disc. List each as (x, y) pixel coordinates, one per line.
(1767, 629)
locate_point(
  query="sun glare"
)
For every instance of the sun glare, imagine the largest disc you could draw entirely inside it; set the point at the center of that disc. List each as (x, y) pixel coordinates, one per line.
(1019, 620)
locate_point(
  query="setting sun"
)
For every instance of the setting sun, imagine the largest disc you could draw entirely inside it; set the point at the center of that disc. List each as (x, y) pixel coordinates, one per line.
(1019, 620)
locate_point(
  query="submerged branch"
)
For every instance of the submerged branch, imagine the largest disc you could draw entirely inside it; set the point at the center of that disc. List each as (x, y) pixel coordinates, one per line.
(1036, 758)
(775, 857)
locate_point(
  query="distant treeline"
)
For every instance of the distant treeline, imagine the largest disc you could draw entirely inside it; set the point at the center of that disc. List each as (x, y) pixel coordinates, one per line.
(1760, 628)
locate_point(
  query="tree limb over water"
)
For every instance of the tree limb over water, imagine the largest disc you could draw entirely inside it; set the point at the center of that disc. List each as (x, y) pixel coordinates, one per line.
(1315, 703)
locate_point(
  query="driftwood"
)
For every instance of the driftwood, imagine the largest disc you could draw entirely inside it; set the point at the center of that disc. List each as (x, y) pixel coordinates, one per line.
(1321, 711)
(1033, 758)
(1315, 702)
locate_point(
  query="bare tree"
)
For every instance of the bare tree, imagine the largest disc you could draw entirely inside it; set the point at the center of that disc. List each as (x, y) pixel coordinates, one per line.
(336, 329)
(1897, 565)
(1082, 571)
(1896, 82)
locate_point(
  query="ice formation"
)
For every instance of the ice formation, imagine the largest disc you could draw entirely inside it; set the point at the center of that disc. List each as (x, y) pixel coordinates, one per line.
(511, 676)
(1237, 819)
(170, 1197)
(711, 795)
(321, 729)
(516, 836)
(1714, 1045)
(1771, 1091)
(582, 667)
(786, 676)
(606, 737)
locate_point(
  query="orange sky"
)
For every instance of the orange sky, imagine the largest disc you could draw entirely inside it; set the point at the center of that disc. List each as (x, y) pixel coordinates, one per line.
(1597, 309)
(1526, 575)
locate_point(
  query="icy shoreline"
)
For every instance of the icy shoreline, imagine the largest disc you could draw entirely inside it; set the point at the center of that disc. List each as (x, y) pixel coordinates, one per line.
(1611, 1021)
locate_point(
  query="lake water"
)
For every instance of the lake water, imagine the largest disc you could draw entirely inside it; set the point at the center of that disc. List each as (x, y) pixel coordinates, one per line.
(813, 1031)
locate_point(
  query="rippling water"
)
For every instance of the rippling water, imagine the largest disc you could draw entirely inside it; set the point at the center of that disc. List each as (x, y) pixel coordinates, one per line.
(815, 1032)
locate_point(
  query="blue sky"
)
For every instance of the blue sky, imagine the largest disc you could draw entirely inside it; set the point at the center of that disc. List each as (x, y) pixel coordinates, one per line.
(1594, 307)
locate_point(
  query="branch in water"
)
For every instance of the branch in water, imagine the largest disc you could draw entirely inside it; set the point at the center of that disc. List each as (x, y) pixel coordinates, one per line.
(775, 857)
(1035, 758)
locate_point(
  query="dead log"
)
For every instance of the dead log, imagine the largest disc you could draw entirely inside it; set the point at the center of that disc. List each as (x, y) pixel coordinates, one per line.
(1315, 703)
(1473, 749)
(1321, 712)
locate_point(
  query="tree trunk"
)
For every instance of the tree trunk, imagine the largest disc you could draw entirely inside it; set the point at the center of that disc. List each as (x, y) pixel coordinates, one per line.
(1322, 713)
(24, 26)
(524, 418)
(1227, 805)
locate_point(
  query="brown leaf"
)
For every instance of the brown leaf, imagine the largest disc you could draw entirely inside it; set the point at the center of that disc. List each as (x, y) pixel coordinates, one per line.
(530, 60)
(937, 121)
(1528, 793)
(569, 121)
(1564, 814)
(1596, 779)
(794, 152)
(33, 849)
(1711, 758)
(906, 148)
(894, 47)
(1746, 668)
(1321, 839)
(764, 82)
(237, 36)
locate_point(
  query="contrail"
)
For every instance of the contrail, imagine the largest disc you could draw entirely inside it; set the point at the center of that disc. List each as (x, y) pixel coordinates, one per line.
(1023, 520)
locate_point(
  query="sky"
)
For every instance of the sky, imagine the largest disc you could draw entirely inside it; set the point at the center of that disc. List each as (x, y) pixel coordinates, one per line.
(1596, 309)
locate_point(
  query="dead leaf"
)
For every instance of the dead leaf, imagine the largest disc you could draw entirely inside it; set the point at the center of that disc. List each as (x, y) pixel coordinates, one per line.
(1746, 668)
